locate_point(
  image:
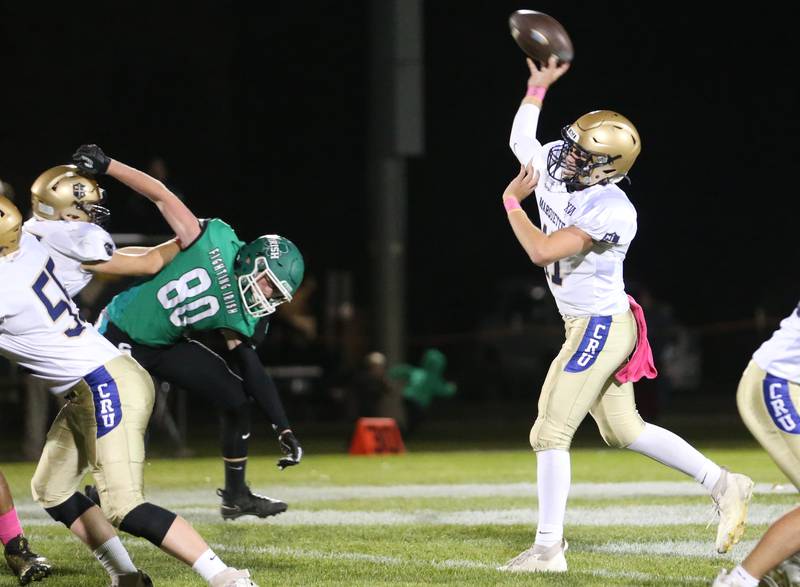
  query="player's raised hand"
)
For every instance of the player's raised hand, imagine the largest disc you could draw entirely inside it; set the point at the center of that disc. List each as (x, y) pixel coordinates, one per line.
(523, 185)
(544, 75)
(291, 448)
(91, 159)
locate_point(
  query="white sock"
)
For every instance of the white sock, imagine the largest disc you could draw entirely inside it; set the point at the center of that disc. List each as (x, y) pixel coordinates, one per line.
(553, 476)
(744, 577)
(673, 451)
(709, 474)
(114, 558)
(208, 565)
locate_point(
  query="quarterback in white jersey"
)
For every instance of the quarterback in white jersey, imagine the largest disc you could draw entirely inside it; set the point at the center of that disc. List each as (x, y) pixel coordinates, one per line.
(101, 427)
(587, 224)
(589, 282)
(768, 398)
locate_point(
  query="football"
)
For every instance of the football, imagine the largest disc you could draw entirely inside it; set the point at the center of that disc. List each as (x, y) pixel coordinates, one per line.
(539, 35)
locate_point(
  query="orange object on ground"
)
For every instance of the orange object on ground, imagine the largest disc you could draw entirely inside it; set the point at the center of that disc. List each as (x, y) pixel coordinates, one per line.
(376, 436)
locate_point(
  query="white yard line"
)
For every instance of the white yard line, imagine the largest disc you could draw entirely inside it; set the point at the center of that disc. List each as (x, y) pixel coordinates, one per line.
(462, 491)
(299, 494)
(688, 548)
(630, 515)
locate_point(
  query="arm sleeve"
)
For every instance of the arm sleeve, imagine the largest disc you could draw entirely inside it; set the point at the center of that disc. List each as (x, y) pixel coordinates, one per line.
(608, 222)
(523, 141)
(260, 331)
(259, 385)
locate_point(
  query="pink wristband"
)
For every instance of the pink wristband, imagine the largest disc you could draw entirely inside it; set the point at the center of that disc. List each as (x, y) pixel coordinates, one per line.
(511, 203)
(536, 92)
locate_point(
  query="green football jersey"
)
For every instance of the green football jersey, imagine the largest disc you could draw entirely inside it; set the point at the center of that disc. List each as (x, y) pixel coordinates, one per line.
(196, 291)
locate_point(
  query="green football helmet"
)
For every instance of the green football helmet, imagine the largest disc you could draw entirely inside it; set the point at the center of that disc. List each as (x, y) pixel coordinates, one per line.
(278, 259)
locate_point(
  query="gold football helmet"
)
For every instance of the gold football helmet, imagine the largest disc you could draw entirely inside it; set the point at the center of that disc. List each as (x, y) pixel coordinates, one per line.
(10, 226)
(63, 193)
(600, 147)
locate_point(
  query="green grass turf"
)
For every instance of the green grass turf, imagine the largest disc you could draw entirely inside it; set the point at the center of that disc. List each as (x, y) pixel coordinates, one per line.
(414, 554)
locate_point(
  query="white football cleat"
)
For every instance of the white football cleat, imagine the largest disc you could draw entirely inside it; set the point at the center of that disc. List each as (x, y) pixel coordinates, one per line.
(731, 496)
(231, 577)
(539, 559)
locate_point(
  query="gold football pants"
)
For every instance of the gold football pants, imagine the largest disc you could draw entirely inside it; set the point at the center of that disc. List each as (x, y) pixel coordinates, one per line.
(99, 430)
(581, 380)
(767, 407)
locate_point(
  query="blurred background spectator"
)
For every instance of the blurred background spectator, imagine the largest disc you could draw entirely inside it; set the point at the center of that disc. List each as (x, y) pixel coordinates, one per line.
(370, 386)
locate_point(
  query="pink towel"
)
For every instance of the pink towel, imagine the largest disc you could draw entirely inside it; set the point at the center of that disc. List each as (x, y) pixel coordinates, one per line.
(640, 364)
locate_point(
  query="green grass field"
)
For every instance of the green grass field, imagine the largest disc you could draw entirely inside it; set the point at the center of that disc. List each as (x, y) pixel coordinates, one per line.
(444, 518)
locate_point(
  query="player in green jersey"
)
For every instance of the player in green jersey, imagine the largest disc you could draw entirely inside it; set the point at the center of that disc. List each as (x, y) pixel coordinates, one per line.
(216, 282)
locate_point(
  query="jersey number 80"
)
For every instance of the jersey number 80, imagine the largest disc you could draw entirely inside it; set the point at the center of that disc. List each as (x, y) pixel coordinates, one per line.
(174, 293)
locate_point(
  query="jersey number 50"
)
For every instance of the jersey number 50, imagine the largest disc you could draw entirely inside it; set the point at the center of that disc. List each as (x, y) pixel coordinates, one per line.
(174, 293)
(63, 305)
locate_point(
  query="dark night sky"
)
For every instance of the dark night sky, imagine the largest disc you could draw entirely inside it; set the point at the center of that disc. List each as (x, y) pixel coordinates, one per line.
(262, 119)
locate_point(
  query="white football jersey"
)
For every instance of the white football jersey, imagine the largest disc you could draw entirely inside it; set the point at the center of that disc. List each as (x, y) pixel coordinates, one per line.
(780, 355)
(591, 283)
(40, 328)
(70, 244)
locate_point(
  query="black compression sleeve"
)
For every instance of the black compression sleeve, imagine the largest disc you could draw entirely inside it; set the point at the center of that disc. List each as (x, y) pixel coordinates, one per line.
(259, 385)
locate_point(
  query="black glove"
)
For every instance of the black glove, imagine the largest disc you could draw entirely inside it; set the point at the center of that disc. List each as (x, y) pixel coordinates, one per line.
(291, 448)
(91, 159)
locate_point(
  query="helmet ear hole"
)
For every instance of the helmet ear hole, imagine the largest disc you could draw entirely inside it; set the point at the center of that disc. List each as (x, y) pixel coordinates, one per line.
(611, 142)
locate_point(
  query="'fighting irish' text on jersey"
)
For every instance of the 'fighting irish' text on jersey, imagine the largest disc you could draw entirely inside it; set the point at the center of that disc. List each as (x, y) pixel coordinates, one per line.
(196, 291)
(591, 283)
(780, 355)
(40, 328)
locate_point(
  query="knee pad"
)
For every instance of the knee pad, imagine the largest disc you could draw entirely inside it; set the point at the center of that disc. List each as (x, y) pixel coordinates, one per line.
(70, 510)
(148, 521)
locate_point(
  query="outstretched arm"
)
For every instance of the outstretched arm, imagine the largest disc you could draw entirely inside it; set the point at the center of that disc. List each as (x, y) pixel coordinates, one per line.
(523, 140)
(543, 249)
(136, 261)
(92, 159)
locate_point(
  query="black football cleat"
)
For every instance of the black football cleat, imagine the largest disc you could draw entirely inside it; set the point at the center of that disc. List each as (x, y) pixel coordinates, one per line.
(249, 504)
(138, 579)
(24, 563)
